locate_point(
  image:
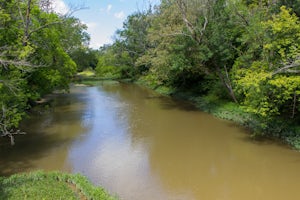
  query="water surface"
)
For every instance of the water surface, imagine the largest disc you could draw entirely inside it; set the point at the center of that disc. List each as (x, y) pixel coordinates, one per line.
(140, 145)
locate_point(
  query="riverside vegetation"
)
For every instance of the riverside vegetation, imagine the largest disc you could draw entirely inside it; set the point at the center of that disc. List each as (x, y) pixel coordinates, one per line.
(237, 59)
(36, 50)
(242, 55)
(52, 185)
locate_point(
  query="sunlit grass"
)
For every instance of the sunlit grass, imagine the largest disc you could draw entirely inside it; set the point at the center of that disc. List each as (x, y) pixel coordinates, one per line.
(86, 73)
(53, 185)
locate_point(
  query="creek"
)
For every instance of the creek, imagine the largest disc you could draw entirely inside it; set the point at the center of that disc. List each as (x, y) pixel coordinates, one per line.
(140, 145)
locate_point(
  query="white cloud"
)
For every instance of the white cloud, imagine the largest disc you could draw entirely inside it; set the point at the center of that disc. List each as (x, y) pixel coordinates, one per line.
(109, 6)
(91, 25)
(120, 15)
(99, 37)
(93, 30)
(60, 7)
(99, 40)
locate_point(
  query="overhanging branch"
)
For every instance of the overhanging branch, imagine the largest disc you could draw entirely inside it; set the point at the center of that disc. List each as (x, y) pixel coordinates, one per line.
(5, 131)
(289, 68)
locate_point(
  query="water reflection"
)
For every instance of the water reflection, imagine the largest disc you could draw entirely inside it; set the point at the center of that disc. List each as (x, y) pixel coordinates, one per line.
(141, 145)
(45, 146)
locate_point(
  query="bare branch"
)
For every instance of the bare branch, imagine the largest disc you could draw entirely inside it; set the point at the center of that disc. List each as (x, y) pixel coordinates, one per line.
(204, 26)
(75, 9)
(288, 67)
(183, 9)
(228, 85)
(4, 132)
(16, 63)
(196, 33)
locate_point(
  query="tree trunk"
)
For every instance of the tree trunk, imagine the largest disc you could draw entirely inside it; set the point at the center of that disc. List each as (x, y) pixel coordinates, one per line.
(294, 105)
(27, 23)
(227, 83)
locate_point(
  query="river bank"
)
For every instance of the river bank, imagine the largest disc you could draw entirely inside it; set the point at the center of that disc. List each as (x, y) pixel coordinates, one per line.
(277, 129)
(115, 132)
(50, 185)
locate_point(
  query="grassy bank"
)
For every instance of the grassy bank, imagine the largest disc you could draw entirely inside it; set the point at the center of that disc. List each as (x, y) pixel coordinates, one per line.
(50, 186)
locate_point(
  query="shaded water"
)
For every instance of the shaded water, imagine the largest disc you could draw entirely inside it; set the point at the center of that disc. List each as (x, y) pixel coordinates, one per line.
(140, 145)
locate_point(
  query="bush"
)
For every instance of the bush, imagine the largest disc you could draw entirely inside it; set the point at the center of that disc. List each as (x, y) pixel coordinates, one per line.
(109, 72)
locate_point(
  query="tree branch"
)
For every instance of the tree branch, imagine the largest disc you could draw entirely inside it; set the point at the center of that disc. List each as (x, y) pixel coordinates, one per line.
(16, 63)
(183, 9)
(44, 26)
(288, 68)
(227, 83)
(4, 132)
(21, 15)
(192, 28)
(75, 9)
(27, 22)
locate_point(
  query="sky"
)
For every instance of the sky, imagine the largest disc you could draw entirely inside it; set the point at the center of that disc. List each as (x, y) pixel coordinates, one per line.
(102, 17)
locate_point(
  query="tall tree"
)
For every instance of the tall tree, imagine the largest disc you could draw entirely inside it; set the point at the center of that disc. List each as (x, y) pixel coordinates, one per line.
(34, 57)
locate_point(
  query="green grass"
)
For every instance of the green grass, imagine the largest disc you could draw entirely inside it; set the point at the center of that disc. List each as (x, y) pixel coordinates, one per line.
(86, 73)
(49, 186)
(97, 82)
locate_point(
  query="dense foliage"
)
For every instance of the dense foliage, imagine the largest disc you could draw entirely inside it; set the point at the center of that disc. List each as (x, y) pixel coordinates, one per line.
(246, 51)
(35, 48)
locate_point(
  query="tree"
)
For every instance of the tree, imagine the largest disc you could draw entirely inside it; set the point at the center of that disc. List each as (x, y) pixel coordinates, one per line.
(85, 58)
(271, 85)
(243, 50)
(34, 57)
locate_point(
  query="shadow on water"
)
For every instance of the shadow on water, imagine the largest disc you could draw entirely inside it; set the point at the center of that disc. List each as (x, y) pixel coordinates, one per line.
(27, 149)
(141, 145)
(45, 133)
(168, 103)
(262, 141)
(131, 92)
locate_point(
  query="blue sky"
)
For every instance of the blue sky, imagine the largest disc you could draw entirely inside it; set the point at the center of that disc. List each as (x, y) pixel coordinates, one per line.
(103, 17)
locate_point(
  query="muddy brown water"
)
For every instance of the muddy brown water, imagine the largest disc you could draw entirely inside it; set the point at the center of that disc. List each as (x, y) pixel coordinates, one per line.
(141, 146)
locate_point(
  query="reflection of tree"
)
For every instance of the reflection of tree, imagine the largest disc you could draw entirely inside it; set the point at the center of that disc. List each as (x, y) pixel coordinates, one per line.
(48, 137)
(192, 153)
